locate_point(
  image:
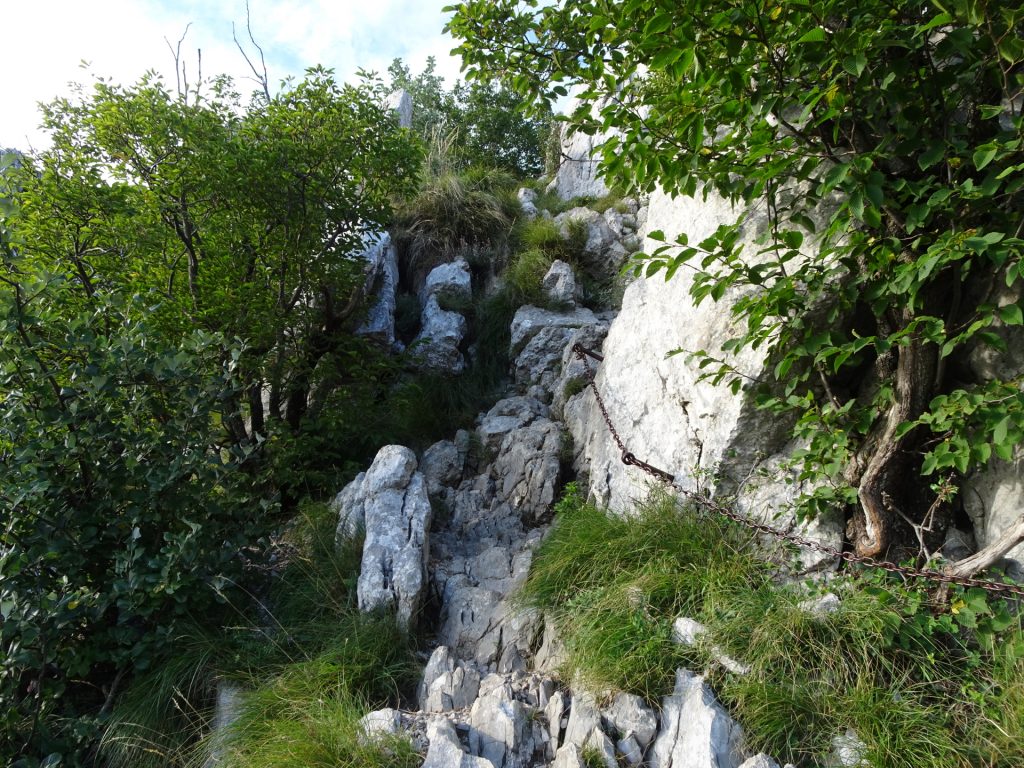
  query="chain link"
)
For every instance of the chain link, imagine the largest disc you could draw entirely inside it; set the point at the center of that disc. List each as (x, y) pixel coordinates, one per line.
(629, 459)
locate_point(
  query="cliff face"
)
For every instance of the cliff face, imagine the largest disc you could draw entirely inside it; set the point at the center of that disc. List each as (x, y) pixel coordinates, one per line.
(709, 438)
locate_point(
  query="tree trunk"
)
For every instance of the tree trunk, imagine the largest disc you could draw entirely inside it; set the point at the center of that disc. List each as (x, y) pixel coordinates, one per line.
(885, 480)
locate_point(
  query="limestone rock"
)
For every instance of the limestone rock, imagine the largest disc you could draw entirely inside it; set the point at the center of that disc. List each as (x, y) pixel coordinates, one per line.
(577, 174)
(687, 426)
(584, 718)
(569, 756)
(508, 415)
(765, 494)
(397, 509)
(500, 729)
(442, 465)
(630, 750)
(529, 321)
(445, 750)
(601, 745)
(349, 506)
(551, 654)
(382, 283)
(527, 199)
(630, 716)
(992, 499)
(686, 631)
(527, 469)
(468, 614)
(760, 761)
(823, 606)
(227, 708)
(447, 683)
(848, 751)
(696, 732)
(559, 283)
(400, 102)
(540, 360)
(448, 282)
(555, 711)
(437, 345)
(378, 725)
(599, 235)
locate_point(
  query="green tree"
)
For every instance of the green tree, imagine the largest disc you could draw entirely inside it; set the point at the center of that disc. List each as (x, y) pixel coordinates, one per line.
(248, 221)
(885, 140)
(173, 259)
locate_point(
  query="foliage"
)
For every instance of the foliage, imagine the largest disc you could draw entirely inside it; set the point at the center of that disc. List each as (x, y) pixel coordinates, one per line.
(168, 262)
(248, 221)
(484, 119)
(884, 141)
(921, 685)
(311, 663)
(614, 584)
(123, 512)
(309, 716)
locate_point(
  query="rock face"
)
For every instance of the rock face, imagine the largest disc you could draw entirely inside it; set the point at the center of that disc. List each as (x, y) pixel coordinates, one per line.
(442, 331)
(390, 502)
(400, 102)
(480, 706)
(577, 174)
(447, 683)
(448, 282)
(382, 282)
(702, 433)
(437, 345)
(559, 283)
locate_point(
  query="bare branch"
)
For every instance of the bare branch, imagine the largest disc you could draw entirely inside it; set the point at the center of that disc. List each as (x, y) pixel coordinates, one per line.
(179, 68)
(261, 77)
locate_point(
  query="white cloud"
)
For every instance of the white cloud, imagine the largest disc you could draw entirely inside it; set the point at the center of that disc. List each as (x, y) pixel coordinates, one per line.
(44, 42)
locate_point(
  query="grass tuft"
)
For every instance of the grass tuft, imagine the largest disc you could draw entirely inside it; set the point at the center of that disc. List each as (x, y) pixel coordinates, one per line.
(922, 685)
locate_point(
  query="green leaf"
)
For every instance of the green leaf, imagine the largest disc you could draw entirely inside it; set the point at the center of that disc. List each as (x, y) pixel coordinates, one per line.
(855, 64)
(1011, 314)
(659, 24)
(793, 239)
(984, 155)
(931, 156)
(815, 35)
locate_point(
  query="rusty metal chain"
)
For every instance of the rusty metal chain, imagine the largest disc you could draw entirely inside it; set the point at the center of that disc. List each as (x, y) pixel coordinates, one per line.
(630, 459)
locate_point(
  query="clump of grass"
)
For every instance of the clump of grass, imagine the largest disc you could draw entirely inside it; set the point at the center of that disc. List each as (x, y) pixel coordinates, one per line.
(922, 686)
(327, 664)
(309, 714)
(525, 275)
(614, 585)
(453, 212)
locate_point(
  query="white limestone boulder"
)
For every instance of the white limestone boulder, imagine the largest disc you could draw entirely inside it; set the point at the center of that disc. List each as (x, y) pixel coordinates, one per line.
(452, 281)
(559, 284)
(446, 751)
(447, 683)
(696, 732)
(501, 729)
(436, 347)
(397, 520)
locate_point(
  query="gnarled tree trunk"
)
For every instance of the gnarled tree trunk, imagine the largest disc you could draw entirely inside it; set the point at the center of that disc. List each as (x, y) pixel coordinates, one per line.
(887, 475)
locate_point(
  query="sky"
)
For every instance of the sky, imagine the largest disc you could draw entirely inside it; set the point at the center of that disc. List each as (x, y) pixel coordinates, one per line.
(44, 43)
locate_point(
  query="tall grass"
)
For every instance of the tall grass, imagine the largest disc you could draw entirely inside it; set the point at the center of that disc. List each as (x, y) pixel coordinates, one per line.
(909, 677)
(312, 663)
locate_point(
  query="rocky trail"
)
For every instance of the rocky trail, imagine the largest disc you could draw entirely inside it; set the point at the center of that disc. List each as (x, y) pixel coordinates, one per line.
(450, 536)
